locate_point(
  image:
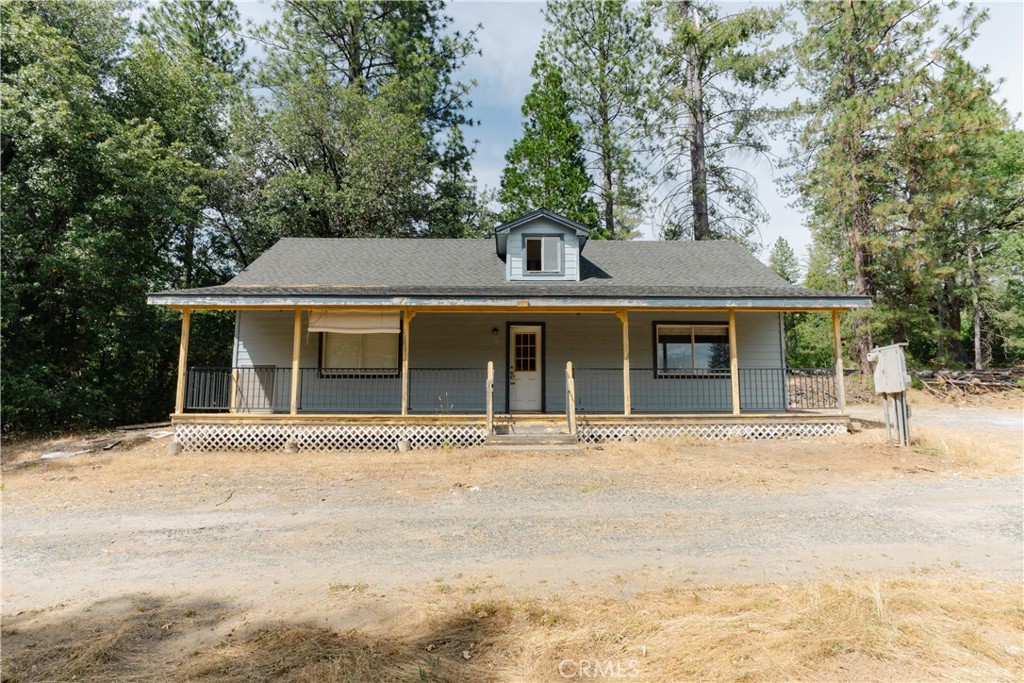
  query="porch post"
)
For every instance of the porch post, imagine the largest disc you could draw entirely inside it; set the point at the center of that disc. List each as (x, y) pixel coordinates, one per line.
(840, 377)
(627, 407)
(296, 348)
(734, 363)
(407, 317)
(179, 396)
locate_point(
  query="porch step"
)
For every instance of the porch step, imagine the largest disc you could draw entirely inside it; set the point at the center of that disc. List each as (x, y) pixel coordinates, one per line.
(533, 441)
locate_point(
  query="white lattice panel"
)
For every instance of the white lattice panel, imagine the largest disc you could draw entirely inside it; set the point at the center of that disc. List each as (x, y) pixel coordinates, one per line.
(718, 432)
(329, 437)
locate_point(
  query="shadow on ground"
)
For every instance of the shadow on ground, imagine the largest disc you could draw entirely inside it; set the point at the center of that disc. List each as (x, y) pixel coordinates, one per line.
(141, 638)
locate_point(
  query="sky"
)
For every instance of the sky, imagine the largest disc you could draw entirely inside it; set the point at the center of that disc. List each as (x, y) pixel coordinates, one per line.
(510, 34)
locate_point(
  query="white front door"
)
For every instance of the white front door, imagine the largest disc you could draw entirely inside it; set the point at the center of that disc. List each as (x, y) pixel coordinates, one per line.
(524, 368)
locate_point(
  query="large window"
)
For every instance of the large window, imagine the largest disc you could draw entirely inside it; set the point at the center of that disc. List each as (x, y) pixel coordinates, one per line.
(358, 354)
(680, 349)
(543, 254)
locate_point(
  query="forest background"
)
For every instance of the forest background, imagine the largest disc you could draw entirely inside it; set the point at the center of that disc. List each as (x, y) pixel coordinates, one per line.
(150, 147)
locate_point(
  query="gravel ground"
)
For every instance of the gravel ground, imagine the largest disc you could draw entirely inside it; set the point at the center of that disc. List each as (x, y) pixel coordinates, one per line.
(967, 418)
(289, 546)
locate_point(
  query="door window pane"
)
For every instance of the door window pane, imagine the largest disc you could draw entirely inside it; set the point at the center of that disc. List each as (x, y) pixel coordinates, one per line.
(525, 352)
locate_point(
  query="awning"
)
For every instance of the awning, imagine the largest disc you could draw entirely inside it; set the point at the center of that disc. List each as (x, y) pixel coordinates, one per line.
(355, 322)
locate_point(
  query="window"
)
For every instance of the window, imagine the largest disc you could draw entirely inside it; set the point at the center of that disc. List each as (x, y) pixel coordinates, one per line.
(682, 348)
(358, 354)
(543, 254)
(525, 352)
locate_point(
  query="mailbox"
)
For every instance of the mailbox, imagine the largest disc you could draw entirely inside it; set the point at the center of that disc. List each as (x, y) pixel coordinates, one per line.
(890, 369)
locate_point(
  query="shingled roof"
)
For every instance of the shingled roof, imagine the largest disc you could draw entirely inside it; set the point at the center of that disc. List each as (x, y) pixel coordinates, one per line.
(395, 268)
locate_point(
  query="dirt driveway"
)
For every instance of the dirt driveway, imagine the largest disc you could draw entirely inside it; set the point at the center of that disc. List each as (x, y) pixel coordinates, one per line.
(281, 531)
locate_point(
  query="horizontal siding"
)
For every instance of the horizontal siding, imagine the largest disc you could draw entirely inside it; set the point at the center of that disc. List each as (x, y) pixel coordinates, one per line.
(591, 341)
(514, 251)
(762, 379)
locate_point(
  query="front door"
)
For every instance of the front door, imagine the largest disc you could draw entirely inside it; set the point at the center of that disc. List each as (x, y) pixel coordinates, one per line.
(524, 368)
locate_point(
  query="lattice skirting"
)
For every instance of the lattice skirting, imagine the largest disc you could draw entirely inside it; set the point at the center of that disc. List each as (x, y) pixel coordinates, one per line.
(328, 437)
(644, 432)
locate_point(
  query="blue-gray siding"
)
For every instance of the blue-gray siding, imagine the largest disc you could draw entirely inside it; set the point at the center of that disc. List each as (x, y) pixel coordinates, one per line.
(593, 342)
(514, 268)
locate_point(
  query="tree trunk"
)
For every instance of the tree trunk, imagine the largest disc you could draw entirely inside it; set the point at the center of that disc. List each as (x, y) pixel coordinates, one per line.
(698, 152)
(863, 283)
(951, 349)
(609, 200)
(979, 358)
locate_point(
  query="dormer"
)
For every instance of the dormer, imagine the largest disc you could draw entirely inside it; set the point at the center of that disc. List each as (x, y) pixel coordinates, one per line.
(541, 246)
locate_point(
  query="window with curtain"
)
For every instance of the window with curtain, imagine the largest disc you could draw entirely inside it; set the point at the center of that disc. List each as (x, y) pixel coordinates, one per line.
(355, 354)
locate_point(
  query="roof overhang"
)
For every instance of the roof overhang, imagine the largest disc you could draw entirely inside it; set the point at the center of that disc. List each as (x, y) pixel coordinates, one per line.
(567, 303)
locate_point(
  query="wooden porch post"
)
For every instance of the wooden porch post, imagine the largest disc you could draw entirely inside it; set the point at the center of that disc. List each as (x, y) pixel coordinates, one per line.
(840, 377)
(627, 399)
(407, 317)
(296, 350)
(734, 363)
(179, 396)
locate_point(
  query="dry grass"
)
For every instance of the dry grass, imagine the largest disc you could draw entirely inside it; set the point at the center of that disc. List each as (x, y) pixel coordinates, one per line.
(201, 478)
(988, 454)
(849, 628)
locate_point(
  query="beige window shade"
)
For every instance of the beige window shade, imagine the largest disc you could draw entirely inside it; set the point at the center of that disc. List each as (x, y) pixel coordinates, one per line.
(360, 351)
(355, 322)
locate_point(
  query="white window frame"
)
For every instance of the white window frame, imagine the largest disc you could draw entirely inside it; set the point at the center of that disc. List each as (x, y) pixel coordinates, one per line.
(545, 268)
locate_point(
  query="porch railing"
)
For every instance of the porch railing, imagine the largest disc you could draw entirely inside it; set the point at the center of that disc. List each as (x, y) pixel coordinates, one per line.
(600, 390)
(448, 391)
(337, 390)
(465, 390)
(256, 389)
(811, 388)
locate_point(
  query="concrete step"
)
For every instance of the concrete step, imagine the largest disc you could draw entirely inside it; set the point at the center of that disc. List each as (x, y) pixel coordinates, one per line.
(573, 448)
(535, 439)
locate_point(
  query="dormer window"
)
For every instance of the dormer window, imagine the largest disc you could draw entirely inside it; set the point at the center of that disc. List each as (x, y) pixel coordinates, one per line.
(543, 254)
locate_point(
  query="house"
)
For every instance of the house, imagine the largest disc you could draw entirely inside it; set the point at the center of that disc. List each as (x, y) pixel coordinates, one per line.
(343, 343)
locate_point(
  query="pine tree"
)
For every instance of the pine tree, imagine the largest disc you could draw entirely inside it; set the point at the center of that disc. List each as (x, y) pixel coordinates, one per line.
(209, 29)
(783, 261)
(603, 50)
(545, 168)
(868, 69)
(360, 129)
(714, 70)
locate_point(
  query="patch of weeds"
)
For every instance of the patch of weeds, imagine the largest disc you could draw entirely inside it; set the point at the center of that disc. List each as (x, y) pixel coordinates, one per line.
(543, 616)
(485, 608)
(444, 588)
(360, 587)
(930, 451)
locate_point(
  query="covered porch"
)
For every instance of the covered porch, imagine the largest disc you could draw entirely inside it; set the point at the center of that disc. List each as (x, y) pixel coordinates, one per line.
(492, 366)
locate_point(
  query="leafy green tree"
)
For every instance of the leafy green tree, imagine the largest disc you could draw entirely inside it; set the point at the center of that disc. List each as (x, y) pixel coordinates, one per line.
(602, 50)
(90, 196)
(545, 168)
(714, 71)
